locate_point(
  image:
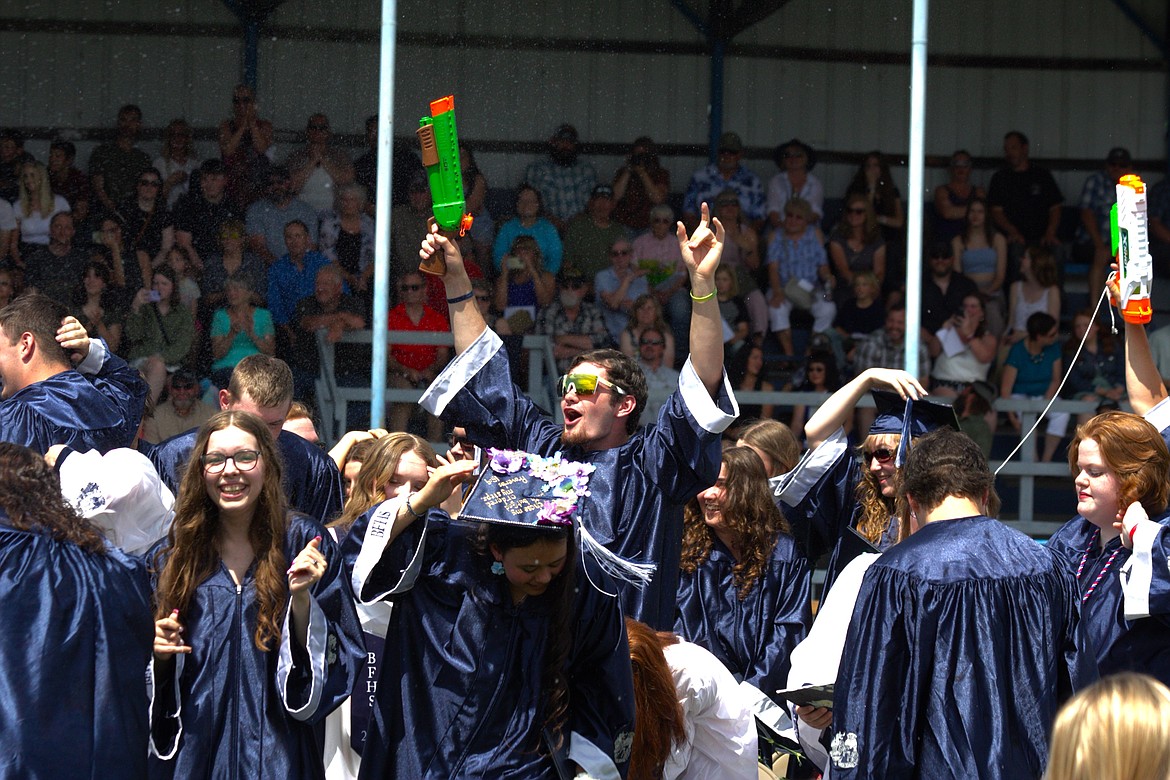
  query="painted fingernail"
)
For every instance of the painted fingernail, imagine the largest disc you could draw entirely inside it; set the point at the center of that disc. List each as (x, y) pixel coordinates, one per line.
(317, 538)
(174, 613)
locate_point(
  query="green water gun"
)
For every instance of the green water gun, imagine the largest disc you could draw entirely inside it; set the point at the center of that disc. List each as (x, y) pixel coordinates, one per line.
(440, 157)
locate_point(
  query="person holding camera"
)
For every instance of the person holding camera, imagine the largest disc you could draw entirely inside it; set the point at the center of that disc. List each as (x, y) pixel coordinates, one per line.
(965, 349)
(523, 285)
(639, 185)
(161, 330)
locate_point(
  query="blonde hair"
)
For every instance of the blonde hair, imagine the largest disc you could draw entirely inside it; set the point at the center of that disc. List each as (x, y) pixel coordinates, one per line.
(1116, 729)
(42, 200)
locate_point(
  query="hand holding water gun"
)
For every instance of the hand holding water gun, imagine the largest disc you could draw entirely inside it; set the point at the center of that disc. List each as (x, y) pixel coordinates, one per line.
(1131, 247)
(440, 158)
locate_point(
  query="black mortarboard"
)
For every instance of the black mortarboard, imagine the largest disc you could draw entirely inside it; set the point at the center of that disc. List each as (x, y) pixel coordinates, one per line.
(909, 418)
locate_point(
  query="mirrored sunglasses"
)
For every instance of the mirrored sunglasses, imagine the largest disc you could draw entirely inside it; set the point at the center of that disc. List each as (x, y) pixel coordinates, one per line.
(584, 384)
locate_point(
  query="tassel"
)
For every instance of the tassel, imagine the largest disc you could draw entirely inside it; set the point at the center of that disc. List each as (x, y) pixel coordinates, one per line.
(636, 574)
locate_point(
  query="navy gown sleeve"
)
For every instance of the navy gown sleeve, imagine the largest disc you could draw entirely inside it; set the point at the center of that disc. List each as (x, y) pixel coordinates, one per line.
(818, 497)
(314, 680)
(124, 387)
(601, 683)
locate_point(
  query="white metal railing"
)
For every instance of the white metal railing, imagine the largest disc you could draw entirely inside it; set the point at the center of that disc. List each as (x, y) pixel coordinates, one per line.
(333, 402)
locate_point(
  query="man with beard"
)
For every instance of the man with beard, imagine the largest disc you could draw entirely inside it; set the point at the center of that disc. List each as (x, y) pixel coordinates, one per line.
(182, 411)
(565, 183)
(728, 171)
(266, 218)
(643, 477)
(114, 166)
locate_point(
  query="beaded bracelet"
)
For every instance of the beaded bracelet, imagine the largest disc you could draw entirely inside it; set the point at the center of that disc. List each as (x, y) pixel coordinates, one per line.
(410, 509)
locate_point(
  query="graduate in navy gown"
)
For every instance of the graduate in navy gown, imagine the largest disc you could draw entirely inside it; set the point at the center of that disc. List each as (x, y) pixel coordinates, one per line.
(1121, 469)
(60, 387)
(256, 638)
(263, 386)
(503, 646)
(744, 593)
(75, 633)
(965, 639)
(645, 476)
(830, 492)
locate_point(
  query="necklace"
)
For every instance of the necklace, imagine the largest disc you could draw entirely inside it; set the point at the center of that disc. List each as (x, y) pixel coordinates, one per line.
(1101, 574)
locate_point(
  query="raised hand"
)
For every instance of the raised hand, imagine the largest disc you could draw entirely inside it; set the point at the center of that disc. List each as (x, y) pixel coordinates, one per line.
(73, 339)
(701, 252)
(307, 568)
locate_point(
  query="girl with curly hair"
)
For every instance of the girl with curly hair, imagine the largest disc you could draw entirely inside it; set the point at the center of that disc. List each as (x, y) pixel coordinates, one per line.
(745, 586)
(250, 652)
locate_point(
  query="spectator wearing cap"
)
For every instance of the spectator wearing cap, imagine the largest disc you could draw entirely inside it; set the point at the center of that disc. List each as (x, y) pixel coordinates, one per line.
(1097, 198)
(640, 185)
(727, 171)
(795, 159)
(266, 218)
(182, 411)
(318, 168)
(575, 324)
(202, 213)
(564, 181)
(529, 221)
(591, 234)
(618, 286)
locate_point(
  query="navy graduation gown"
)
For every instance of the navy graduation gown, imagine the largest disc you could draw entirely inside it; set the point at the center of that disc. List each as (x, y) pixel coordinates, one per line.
(460, 689)
(76, 631)
(754, 637)
(639, 489)
(1139, 645)
(98, 406)
(819, 500)
(312, 483)
(964, 642)
(230, 710)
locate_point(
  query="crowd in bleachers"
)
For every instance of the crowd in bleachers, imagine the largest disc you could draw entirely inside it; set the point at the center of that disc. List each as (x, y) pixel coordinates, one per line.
(428, 622)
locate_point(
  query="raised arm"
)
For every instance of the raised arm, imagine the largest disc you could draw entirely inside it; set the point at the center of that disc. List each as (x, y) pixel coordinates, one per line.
(701, 253)
(1143, 382)
(466, 321)
(836, 410)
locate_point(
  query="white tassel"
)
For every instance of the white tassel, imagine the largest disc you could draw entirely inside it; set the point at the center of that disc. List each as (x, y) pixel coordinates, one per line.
(636, 574)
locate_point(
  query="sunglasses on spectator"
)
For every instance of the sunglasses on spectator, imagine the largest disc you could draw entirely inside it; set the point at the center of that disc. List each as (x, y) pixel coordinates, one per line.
(584, 384)
(651, 342)
(620, 252)
(318, 127)
(457, 441)
(409, 287)
(881, 455)
(245, 460)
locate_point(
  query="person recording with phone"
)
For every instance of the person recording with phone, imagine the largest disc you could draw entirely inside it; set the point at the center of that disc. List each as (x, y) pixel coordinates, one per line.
(160, 330)
(523, 285)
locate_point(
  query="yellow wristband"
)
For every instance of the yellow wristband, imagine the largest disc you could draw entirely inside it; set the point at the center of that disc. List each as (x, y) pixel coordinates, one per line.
(706, 297)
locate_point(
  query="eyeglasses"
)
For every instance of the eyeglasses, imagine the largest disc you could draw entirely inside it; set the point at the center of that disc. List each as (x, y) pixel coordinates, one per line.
(245, 460)
(620, 252)
(651, 343)
(409, 287)
(856, 211)
(318, 127)
(149, 182)
(881, 455)
(584, 384)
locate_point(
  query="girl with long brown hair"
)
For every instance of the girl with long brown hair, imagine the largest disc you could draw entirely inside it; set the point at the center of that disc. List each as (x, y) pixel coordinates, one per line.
(745, 587)
(250, 652)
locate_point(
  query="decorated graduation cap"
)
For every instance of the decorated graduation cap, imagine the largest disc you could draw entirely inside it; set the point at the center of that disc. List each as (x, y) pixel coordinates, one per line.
(909, 418)
(519, 489)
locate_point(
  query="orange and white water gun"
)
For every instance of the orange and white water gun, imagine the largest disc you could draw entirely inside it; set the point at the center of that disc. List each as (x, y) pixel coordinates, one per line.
(1129, 229)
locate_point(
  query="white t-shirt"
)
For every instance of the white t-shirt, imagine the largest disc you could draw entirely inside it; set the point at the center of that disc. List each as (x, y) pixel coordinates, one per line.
(7, 216)
(34, 229)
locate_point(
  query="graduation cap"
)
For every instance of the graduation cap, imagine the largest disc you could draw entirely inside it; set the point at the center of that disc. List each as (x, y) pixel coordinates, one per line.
(909, 418)
(520, 489)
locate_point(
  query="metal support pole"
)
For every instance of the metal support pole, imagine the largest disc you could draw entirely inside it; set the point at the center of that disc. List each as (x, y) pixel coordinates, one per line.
(915, 186)
(382, 214)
